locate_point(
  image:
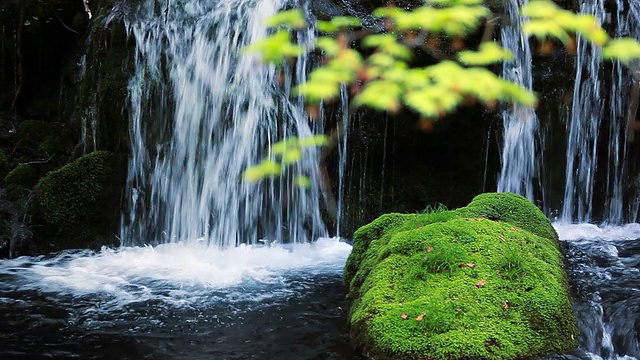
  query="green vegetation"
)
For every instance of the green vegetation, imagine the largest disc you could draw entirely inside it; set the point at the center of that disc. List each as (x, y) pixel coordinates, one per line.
(22, 175)
(460, 285)
(381, 72)
(76, 193)
(510, 208)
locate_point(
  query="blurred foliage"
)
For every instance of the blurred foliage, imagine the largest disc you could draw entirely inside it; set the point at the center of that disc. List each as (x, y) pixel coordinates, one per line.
(283, 153)
(382, 76)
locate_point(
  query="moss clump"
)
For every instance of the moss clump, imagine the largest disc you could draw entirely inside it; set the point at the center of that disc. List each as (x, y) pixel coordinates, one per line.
(445, 286)
(510, 208)
(76, 193)
(22, 175)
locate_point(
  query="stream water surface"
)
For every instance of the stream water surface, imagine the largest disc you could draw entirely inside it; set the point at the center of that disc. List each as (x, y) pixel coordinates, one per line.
(179, 301)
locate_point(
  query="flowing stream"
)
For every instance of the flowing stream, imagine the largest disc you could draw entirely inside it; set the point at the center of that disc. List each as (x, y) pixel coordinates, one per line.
(180, 301)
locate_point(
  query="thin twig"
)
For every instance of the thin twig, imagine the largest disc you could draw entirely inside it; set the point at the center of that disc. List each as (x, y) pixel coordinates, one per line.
(14, 148)
(38, 161)
(63, 24)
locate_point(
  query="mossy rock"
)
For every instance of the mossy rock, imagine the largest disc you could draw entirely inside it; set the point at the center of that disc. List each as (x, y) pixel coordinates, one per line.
(444, 285)
(22, 175)
(77, 193)
(510, 208)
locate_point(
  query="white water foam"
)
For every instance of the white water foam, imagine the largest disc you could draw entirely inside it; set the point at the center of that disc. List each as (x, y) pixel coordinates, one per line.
(585, 231)
(177, 273)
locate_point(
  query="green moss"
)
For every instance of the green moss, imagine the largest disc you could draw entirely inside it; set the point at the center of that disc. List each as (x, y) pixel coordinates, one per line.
(444, 286)
(77, 192)
(365, 252)
(510, 208)
(22, 175)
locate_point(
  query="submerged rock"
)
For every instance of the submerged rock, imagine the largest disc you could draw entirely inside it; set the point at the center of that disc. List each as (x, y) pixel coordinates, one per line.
(482, 282)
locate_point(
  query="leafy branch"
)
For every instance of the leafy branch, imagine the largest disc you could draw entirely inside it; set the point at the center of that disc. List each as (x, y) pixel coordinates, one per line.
(382, 76)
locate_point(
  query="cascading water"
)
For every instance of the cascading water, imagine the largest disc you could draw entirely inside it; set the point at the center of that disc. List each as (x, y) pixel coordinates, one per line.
(520, 122)
(616, 151)
(200, 115)
(603, 261)
(584, 126)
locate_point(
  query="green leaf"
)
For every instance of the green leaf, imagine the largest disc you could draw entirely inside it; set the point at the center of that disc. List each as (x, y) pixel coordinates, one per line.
(388, 44)
(275, 48)
(328, 45)
(317, 91)
(518, 94)
(432, 101)
(293, 18)
(338, 23)
(488, 53)
(540, 9)
(281, 146)
(291, 155)
(548, 20)
(588, 27)
(544, 28)
(265, 169)
(253, 174)
(302, 181)
(455, 2)
(347, 60)
(624, 50)
(380, 95)
(312, 141)
(329, 75)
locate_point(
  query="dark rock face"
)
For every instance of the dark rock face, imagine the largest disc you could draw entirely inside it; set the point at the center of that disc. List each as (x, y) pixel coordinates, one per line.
(63, 93)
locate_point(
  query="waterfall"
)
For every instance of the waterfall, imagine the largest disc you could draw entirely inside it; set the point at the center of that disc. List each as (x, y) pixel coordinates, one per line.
(589, 121)
(520, 122)
(342, 157)
(583, 126)
(616, 151)
(201, 113)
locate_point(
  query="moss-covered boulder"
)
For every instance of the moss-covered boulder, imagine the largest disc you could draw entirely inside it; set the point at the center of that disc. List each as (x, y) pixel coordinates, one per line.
(79, 195)
(22, 175)
(482, 282)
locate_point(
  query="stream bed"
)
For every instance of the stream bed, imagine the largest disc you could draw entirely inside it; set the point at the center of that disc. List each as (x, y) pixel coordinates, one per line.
(258, 302)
